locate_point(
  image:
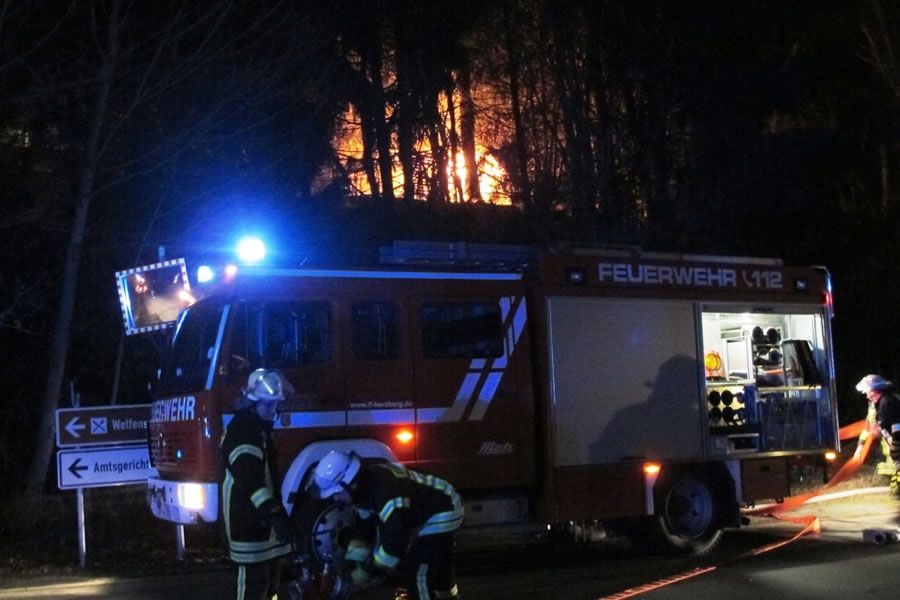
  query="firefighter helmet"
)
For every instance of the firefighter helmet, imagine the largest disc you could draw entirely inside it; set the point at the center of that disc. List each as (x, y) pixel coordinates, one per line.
(265, 385)
(335, 472)
(875, 383)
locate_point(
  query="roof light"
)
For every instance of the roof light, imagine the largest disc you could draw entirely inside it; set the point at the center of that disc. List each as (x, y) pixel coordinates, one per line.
(251, 250)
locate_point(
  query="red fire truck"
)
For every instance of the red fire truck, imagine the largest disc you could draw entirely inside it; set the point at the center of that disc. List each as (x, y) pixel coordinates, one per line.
(645, 393)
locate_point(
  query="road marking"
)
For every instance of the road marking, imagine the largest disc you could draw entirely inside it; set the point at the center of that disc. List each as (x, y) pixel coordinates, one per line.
(92, 587)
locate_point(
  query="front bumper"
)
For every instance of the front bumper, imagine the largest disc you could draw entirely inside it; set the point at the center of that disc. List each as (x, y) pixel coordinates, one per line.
(182, 501)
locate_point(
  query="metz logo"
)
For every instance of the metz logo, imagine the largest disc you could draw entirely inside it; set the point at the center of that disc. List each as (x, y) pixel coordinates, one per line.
(496, 448)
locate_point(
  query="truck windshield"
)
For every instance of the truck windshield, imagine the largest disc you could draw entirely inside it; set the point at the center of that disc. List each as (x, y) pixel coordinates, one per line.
(187, 363)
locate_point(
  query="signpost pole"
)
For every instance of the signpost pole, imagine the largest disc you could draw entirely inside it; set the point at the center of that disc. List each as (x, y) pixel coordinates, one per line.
(75, 400)
(82, 536)
(179, 541)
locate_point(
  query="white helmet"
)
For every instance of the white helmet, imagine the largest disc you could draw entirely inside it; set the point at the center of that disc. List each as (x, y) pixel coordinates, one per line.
(335, 472)
(873, 382)
(265, 385)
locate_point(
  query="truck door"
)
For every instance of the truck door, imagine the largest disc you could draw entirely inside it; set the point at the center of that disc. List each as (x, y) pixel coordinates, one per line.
(297, 338)
(378, 371)
(474, 423)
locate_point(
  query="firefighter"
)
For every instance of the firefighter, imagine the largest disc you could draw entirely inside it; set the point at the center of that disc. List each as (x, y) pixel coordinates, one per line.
(415, 515)
(882, 420)
(258, 529)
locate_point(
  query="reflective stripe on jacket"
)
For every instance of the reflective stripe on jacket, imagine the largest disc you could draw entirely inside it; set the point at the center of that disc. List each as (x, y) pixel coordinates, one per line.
(406, 504)
(248, 490)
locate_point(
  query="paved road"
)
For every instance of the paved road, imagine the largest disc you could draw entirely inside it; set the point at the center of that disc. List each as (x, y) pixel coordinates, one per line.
(831, 564)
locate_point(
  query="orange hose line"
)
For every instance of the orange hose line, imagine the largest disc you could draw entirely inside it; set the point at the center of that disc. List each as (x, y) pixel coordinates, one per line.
(852, 430)
(811, 523)
(660, 583)
(848, 469)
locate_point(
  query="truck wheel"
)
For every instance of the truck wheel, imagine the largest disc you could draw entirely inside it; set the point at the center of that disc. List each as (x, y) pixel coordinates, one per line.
(687, 519)
(324, 529)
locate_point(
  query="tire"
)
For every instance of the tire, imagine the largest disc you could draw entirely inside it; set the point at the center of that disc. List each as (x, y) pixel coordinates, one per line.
(324, 529)
(687, 520)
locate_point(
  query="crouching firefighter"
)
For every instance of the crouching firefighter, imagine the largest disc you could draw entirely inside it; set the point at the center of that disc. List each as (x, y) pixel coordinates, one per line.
(257, 527)
(415, 516)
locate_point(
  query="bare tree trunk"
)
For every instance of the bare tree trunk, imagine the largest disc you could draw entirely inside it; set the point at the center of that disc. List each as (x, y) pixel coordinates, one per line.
(885, 170)
(521, 187)
(368, 139)
(457, 194)
(379, 121)
(467, 132)
(59, 348)
(406, 112)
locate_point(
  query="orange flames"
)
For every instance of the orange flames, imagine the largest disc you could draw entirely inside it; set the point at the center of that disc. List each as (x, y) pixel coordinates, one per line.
(349, 148)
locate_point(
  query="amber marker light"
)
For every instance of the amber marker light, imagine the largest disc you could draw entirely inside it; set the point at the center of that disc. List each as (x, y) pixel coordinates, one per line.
(652, 468)
(830, 455)
(404, 436)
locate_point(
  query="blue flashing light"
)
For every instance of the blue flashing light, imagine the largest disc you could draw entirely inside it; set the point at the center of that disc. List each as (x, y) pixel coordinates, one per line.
(205, 274)
(251, 250)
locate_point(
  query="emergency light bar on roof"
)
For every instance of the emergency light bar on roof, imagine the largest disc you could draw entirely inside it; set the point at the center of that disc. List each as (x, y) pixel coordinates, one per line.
(636, 253)
(361, 274)
(497, 256)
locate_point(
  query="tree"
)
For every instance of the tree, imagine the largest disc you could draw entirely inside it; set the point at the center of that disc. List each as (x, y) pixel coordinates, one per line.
(149, 66)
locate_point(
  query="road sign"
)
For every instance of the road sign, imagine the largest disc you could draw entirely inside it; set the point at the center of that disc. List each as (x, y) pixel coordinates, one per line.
(101, 425)
(99, 467)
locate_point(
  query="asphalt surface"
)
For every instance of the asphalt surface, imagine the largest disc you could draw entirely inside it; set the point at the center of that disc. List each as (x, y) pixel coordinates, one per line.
(816, 563)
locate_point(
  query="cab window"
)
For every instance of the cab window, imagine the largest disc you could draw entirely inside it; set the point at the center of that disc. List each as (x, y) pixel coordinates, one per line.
(187, 364)
(461, 330)
(375, 331)
(281, 335)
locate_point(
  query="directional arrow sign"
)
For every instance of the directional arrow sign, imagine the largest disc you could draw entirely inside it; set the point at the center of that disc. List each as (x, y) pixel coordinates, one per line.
(101, 425)
(99, 467)
(76, 466)
(73, 427)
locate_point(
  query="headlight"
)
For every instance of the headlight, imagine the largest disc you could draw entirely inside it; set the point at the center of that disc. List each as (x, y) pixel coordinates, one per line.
(191, 496)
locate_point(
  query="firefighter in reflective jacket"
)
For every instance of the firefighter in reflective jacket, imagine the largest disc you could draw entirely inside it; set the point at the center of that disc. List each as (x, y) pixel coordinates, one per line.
(416, 516)
(883, 420)
(256, 524)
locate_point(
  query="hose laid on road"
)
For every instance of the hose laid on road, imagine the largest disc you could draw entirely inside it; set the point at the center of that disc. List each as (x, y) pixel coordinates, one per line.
(810, 523)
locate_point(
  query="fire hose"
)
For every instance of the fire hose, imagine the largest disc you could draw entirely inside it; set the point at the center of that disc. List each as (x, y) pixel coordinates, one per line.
(810, 523)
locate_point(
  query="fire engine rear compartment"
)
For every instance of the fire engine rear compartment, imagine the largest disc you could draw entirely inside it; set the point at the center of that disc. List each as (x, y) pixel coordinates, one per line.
(629, 383)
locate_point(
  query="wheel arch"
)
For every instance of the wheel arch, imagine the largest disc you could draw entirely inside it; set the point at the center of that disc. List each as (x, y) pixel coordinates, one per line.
(313, 453)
